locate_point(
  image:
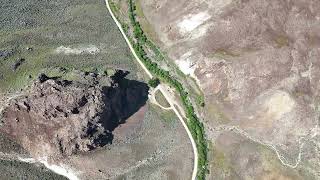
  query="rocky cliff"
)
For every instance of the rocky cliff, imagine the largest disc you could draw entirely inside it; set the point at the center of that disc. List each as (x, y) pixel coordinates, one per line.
(59, 118)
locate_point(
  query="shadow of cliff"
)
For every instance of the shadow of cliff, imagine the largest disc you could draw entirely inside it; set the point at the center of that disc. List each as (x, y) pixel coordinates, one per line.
(122, 100)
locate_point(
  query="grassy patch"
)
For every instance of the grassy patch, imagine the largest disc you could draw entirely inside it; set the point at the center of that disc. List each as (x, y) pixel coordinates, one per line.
(167, 116)
(216, 112)
(11, 170)
(161, 99)
(9, 146)
(44, 26)
(223, 54)
(147, 27)
(200, 100)
(281, 41)
(220, 164)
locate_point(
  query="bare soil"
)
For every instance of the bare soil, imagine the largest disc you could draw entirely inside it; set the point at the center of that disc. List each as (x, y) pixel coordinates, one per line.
(257, 63)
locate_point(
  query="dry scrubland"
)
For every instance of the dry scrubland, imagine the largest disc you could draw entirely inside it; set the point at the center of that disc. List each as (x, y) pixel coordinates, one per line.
(257, 63)
(69, 34)
(67, 39)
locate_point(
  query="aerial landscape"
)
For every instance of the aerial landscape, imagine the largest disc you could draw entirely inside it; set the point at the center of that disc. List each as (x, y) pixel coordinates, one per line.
(148, 89)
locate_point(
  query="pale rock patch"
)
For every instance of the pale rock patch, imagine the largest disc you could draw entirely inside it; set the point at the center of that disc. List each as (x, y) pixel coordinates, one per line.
(58, 169)
(185, 64)
(209, 75)
(89, 49)
(279, 104)
(201, 31)
(274, 109)
(217, 6)
(192, 21)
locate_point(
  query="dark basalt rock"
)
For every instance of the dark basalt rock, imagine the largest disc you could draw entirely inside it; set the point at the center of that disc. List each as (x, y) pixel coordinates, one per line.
(18, 63)
(59, 118)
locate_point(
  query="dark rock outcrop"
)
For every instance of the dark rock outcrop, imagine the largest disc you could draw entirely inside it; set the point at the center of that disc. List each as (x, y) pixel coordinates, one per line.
(59, 117)
(6, 53)
(17, 64)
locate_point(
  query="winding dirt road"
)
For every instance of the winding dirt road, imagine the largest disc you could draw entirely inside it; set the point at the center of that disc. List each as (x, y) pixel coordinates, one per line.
(164, 91)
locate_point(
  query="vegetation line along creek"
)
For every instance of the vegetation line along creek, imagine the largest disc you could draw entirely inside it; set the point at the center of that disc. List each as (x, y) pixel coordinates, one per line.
(193, 126)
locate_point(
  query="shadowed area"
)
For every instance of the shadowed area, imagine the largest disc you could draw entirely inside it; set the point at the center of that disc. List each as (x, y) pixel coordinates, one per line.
(127, 97)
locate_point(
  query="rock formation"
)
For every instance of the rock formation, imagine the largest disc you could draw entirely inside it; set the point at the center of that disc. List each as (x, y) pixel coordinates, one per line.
(59, 118)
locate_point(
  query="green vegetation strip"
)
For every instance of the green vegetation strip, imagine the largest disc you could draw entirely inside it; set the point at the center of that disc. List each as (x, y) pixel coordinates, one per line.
(195, 126)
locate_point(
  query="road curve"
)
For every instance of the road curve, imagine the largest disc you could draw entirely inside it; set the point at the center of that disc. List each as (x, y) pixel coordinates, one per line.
(153, 99)
(162, 89)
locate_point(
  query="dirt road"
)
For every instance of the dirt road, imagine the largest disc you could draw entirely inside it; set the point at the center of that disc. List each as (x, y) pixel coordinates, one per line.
(162, 89)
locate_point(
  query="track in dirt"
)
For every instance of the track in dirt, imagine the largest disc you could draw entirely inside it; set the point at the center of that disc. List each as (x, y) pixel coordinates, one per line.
(162, 89)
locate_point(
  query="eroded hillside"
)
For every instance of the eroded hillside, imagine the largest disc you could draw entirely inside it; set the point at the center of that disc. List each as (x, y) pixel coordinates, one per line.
(258, 65)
